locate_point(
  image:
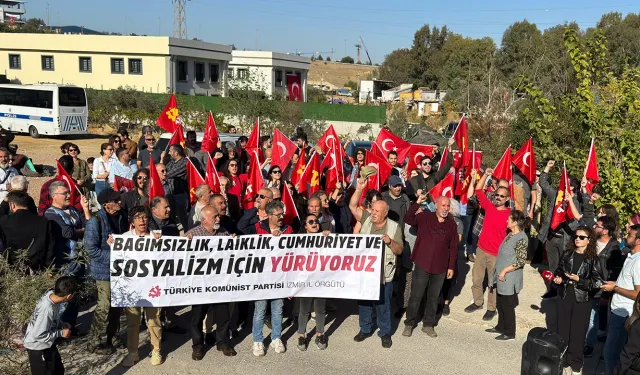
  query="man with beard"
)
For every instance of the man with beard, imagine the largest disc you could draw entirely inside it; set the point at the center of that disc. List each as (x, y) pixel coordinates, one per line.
(427, 179)
(248, 221)
(210, 226)
(6, 173)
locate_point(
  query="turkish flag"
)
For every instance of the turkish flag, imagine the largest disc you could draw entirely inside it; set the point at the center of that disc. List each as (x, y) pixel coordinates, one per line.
(294, 86)
(74, 192)
(283, 150)
(443, 157)
(461, 136)
(458, 159)
(391, 142)
(178, 137)
(298, 169)
(122, 184)
(254, 138)
(443, 189)
(194, 179)
(328, 139)
(503, 169)
(331, 162)
(417, 152)
(254, 182)
(311, 176)
(591, 171)
(561, 210)
(210, 138)
(155, 184)
(381, 165)
(211, 176)
(290, 210)
(525, 160)
(375, 149)
(170, 117)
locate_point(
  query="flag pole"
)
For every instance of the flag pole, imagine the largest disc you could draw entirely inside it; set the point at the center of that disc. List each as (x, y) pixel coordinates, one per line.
(473, 157)
(194, 167)
(168, 143)
(459, 122)
(566, 177)
(589, 157)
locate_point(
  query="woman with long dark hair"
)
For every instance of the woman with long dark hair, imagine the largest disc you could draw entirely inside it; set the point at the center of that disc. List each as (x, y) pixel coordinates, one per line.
(579, 277)
(274, 177)
(237, 181)
(312, 225)
(139, 196)
(102, 167)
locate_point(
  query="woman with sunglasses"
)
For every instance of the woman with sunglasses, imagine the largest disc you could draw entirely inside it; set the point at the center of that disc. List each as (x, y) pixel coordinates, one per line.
(237, 181)
(357, 164)
(102, 167)
(81, 173)
(139, 196)
(312, 225)
(274, 177)
(579, 277)
(116, 142)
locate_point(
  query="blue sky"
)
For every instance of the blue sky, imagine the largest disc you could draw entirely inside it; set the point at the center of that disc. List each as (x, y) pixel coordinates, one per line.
(321, 26)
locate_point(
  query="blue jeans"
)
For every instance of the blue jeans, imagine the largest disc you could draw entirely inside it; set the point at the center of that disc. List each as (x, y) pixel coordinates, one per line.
(276, 319)
(383, 312)
(467, 236)
(101, 185)
(616, 338)
(594, 323)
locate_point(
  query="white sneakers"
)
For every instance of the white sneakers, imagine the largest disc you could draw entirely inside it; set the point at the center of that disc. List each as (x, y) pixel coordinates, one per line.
(277, 345)
(258, 349)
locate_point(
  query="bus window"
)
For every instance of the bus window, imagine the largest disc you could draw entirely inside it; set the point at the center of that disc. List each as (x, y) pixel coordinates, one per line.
(72, 97)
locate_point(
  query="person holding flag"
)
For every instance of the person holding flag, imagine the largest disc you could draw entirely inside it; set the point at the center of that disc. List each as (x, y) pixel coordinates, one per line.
(177, 174)
(556, 238)
(428, 178)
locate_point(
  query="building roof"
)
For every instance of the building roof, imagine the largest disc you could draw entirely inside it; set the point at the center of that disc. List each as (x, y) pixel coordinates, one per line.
(269, 59)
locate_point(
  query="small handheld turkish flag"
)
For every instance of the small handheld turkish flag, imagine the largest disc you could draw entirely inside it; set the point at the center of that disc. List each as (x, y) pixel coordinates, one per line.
(444, 188)
(525, 160)
(328, 139)
(71, 184)
(547, 275)
(561, 210)
(122, 184)
(387, 141)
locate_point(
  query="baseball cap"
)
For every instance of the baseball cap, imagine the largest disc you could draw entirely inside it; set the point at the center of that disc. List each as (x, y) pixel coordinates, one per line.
(108, 195)
(395, 180)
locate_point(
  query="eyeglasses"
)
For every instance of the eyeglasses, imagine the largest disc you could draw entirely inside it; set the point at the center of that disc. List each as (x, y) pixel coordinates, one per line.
(233, 165)
(396, 186)
(141, 218)
(73, 150)
(143, 177)
(66, 193)
(501, 196)
(281, 214)
(116, 141)
(425, 164)
(108, 149)
(580, 237)
(261, 196)
(162, 171)
(276, 172)
(149, 139)
(311, 222)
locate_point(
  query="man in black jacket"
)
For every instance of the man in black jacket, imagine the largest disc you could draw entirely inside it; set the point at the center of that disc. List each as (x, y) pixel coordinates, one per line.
(26, 230)
(427, 179)
(257, 213)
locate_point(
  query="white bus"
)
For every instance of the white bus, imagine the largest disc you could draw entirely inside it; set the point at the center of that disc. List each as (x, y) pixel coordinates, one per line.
(46, 109)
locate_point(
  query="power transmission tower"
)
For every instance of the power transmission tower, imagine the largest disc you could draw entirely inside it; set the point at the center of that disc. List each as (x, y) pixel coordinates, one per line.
(180, 19)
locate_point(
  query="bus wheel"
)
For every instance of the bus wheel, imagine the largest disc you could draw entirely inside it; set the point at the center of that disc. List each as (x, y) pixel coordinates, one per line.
(33, 132)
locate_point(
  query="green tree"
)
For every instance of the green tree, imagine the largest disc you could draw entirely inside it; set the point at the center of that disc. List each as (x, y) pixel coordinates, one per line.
(319, 57)
(351, 84)
(427, 43)
(328, 58)
(521, 50)
(398, 67)
(347, 59)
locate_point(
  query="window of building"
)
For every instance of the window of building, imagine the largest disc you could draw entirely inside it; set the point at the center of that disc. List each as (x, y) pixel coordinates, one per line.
(47, 63)
(183, 71)
(230, 74)
(14, 62)
(279, 78)
(243, 73)
(214, 73)
(85, 64)
(117, 66)
(199, 70)
(135, 66)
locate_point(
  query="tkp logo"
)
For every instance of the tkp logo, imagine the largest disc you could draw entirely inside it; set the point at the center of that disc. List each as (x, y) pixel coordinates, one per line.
(155, 292)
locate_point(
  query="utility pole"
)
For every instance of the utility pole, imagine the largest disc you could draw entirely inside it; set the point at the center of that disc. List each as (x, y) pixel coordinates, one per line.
(180, 19)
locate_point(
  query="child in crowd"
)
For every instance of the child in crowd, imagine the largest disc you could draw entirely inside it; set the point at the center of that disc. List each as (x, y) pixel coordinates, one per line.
(45, 327)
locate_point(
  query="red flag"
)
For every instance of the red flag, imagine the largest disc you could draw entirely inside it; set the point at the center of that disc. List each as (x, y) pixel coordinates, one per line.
(591, 170)
(381, 165)
(561, 210)
(122, 184)
(417, 152)
(311, 175)
(375, 149)
(194, 179)
(178, 137)
(461, 136)
(443, 157)
(290, 210)
(170, 117)
(391, 142)
(458, 159)
(155, 184)
(71, 184)
(211, 176)
(254, 138)
(443, 189)
(328, 139)
(282, 151)
(503, 169)
(299, 168)
(210, 138)
(294, 87)
(331, 163)
(474, 161)
(525, 161)
(254, 183)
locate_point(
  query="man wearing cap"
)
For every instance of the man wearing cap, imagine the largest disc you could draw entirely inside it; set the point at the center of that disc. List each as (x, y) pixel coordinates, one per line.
(107, 221)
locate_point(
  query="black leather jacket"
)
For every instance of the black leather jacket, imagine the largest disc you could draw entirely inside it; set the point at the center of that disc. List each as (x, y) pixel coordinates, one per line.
(589, 277)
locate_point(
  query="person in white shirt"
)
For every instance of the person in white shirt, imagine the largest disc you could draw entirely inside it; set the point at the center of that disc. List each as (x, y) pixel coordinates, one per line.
(625, 289)
(123, 167)
(102, 167)
(6, 173)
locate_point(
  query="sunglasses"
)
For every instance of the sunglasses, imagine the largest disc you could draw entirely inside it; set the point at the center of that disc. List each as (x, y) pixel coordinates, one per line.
(233, 165)
(261, 196)
(162, 171)
(311, 222)
(276, 172)
(143, 178)
(73, 150)
(425, 164)
(501, 196)
(116, 141)
(108, 149)
(580, 237)
(149, 139)
(396, 186)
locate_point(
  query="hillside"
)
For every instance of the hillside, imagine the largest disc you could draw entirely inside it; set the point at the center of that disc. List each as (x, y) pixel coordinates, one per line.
(337, 74)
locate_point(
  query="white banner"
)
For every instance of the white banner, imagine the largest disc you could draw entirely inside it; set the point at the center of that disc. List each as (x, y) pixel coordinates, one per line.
(176, 271)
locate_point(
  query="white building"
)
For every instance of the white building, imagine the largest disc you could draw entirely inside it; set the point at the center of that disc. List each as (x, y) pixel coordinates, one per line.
(267, 71)
(12, 11)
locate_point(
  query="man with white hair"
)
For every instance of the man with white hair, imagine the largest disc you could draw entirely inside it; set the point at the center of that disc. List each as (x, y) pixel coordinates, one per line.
(18, 183)
(203, 194)
(434, 255)
(6, 173)
(378, 223)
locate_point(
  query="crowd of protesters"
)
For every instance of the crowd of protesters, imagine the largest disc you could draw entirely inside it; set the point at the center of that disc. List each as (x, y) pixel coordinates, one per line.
(593, 258)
